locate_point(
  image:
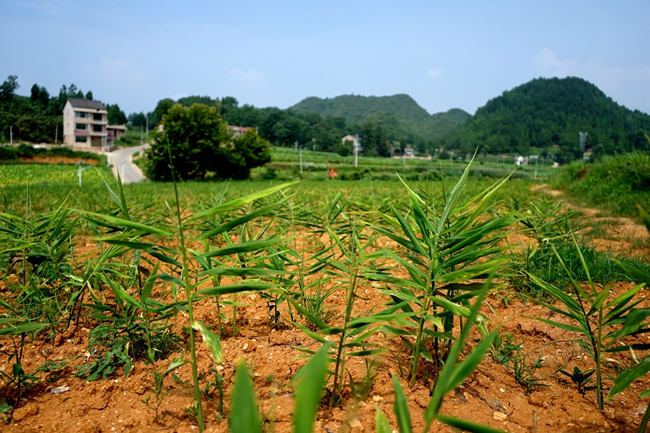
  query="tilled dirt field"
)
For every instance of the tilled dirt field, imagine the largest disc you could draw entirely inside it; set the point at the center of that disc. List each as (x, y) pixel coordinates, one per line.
(544, 401)
(492, 396)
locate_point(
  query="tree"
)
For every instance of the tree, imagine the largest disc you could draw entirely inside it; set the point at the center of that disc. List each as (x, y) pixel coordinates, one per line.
(199, 143)
(115, 115)
(247, 151)
(161, 109)
(137, 119)
(188, 101)
(39, 95)
(8, 88)
(89, 95)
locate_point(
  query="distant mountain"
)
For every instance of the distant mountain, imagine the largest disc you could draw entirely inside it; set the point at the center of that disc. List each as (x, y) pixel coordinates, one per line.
(399, 112)
(546, 115)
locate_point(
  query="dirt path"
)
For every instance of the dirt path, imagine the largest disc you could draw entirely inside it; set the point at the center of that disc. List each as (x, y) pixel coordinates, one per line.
(618, 235)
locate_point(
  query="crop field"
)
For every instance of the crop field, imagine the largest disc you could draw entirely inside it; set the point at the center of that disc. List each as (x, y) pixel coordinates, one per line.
(448, 302)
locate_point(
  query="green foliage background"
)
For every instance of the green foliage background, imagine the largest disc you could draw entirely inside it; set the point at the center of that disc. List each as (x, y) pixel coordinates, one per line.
(545, 116)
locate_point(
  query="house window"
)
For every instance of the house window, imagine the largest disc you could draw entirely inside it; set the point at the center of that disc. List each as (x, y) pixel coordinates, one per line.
(81, 126)
(79, 139)
(97, 128)
(97, 116)
(81, 114)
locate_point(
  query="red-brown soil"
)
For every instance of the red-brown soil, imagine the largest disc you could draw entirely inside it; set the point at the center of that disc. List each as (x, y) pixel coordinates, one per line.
(57, 160)
(491, 396)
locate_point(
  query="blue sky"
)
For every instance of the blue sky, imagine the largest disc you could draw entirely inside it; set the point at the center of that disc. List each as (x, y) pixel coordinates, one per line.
(444, 54)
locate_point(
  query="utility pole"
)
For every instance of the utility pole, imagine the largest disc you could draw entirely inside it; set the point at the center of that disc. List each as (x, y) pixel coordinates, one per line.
(146, 121)
(80, 169)
(11, 134)
(56, 134)
(356, 152)
(295, 146)
(141, 138)
(313, 149)
(300, 159)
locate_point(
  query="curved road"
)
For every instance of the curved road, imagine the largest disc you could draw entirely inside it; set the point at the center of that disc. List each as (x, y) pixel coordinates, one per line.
(122, 160)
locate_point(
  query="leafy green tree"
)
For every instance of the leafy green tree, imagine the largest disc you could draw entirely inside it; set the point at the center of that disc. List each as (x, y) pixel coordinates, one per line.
(89, 95)
(137, 119)
(188, 101)
(8, 89)
(200, 144)
(115, 115)
(247, 151)
(161, 109)
(39, 95)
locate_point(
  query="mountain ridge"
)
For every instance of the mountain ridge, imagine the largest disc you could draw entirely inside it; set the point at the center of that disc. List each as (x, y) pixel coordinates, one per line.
(546, 114)
(400, 108)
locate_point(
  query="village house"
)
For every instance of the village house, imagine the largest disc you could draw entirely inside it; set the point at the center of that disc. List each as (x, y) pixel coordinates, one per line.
(114, 132)
(84, 124)
(237, 131)
(355, 140)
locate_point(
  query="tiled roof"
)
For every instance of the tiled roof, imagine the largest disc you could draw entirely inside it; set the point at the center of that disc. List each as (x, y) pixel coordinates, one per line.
(86, 103)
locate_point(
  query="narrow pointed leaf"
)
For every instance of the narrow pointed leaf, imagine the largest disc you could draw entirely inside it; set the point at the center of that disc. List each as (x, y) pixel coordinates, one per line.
(467, 426)
(244, 415)
(310, 391)
(401, 408)
(211, 340)
(237, 203)
(381, 423)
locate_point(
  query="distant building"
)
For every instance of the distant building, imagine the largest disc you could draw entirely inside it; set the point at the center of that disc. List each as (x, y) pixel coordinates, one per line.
(237, 130)
(408, 153)
(85, 124)
(356, 142)
(521, 160)
(114, 132)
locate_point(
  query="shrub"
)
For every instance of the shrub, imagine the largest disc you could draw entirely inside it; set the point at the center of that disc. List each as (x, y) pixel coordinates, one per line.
(8, 153)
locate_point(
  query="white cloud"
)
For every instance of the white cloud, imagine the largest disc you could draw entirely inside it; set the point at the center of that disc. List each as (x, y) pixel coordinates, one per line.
(119, 80)
(116, 74)
(250, 87)
(435, 73)
(627, 85)
(548, 64)
(595, 69)
(251, 78)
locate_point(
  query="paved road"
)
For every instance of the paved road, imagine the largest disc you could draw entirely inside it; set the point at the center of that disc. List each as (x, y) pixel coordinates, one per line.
(122, 160)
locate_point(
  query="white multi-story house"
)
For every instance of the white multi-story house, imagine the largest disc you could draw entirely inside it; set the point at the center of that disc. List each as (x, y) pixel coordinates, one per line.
(85, 124)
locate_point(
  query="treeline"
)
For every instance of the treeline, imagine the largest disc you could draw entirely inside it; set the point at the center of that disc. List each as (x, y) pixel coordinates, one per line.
(545, 117)
(311, 131)
(38, 118)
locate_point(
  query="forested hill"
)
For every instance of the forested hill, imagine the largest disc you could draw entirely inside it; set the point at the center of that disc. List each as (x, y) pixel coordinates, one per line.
(546, 115)
(397, 111)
